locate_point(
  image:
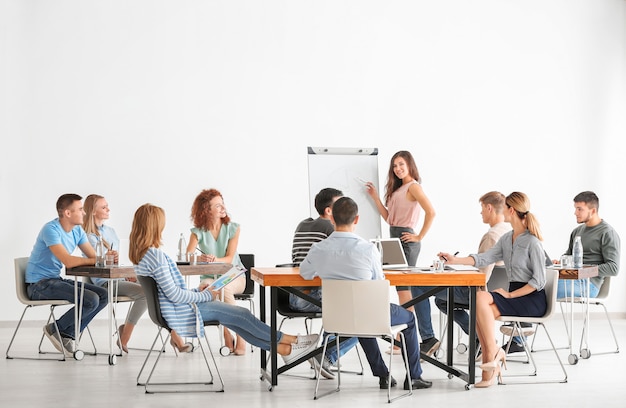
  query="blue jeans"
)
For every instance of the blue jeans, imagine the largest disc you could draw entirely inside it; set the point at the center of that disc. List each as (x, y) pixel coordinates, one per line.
(95, 299)
(422, 310)
(399, 315)
(564, 288)
(241, 321)
(461, 296)
(297, 303)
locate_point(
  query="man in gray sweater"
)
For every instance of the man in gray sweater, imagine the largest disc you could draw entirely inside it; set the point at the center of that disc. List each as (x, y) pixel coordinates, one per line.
(601, 245)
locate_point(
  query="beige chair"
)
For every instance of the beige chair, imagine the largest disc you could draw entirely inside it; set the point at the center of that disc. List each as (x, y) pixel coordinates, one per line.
(154, 310)
(359, 309)
(552, 277)
(597, 301)
(22, 296)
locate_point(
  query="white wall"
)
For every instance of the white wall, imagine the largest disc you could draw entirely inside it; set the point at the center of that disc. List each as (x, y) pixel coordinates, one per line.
(152, 101)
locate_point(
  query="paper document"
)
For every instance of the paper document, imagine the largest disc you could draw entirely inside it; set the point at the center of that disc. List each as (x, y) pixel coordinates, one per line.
(227, 278)
(462, 267)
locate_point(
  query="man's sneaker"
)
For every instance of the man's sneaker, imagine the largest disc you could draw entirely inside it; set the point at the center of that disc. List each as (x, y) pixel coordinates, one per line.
(51, 334)
(68, 345)
(514, 348)
(304, 345)
(325, 364)
(430, 346)
(509, 329)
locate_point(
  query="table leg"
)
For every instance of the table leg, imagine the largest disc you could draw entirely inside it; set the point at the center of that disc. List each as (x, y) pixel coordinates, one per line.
(572, 358)
(450, 326)
(273, 337)
(471, 369)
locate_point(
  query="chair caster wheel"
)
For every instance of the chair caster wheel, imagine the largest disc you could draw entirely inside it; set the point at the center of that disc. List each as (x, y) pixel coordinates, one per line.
(112, 359)
(225, 351)
(461, 348)
(79, 355)
(572, 359)
(585, 353)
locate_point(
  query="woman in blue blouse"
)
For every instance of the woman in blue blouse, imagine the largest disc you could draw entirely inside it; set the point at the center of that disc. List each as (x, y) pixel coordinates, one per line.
(176, 300)
(524, 260)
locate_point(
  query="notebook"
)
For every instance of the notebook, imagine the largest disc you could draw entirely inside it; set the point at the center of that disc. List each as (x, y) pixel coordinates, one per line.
(392, 254)
(227, 278)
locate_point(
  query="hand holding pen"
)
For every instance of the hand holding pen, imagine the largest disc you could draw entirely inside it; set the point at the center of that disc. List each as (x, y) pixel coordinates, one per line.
(447, 258)
(206, 257)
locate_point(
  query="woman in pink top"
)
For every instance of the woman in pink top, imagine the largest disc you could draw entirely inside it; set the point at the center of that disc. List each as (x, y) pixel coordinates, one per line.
(404, 201)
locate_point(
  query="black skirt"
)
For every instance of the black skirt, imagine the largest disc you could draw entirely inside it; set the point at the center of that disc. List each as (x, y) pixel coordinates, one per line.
(533, 304)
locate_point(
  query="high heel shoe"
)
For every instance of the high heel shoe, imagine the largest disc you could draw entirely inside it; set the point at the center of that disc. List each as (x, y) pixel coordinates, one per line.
(495, 374)
(120, 332)
(185, 348)
(495, 364)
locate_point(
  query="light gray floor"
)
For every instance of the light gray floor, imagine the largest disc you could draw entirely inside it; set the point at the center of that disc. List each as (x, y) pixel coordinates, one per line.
(92, 382)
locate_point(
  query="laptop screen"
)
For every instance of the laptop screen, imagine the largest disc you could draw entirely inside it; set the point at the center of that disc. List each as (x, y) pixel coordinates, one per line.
(392, 253)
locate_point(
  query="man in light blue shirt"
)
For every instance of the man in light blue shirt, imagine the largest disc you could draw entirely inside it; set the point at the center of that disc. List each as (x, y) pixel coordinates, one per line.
(346, 256)
(52, 251)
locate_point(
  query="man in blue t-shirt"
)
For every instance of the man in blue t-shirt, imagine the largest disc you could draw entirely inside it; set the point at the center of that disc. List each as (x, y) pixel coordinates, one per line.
(52, 251)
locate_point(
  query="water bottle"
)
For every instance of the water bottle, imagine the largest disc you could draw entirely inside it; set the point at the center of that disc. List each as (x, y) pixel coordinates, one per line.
(100, 251)
(182, 249)
(379, 246)
(577, 252)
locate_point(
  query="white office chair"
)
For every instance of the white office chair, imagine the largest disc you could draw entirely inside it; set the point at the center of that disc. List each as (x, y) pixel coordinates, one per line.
(22, 296)
(552, 277)
(359, 309)
(598, 301)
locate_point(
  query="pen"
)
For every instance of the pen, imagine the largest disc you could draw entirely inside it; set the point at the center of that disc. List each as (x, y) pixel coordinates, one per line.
(201, 251)
(446, 259)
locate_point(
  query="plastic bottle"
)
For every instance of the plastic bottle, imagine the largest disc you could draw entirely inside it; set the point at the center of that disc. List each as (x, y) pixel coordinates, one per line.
(379, 246)
(100, 251)
(182, 248)
(577, 252)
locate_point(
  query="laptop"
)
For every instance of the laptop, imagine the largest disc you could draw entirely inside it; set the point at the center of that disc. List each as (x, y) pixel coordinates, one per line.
(392, 254)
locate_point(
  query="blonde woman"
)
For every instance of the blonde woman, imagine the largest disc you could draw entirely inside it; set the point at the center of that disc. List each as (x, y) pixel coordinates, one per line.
(97, 212)
(176, 300)
(525, 262)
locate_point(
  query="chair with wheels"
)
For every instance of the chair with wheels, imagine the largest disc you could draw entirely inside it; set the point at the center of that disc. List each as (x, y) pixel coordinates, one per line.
(359, 309)
(116, 298)
(285, 310)
(22, 296)
(248, 293)
(498, 279)
(552, 277)
(154, 310)
(597, 301)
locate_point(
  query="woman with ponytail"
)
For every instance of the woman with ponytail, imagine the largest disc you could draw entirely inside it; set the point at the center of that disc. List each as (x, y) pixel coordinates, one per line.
(524, 260)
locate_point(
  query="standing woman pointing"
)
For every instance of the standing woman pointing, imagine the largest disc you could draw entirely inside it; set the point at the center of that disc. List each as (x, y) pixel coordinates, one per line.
(404, 201)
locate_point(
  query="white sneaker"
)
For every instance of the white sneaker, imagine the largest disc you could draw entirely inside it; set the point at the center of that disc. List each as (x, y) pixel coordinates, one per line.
(302, 347)
(307, 339)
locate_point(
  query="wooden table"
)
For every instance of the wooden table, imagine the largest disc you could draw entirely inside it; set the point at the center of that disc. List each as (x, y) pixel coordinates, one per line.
(123, 271)
(572, 274)
(289, 279)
